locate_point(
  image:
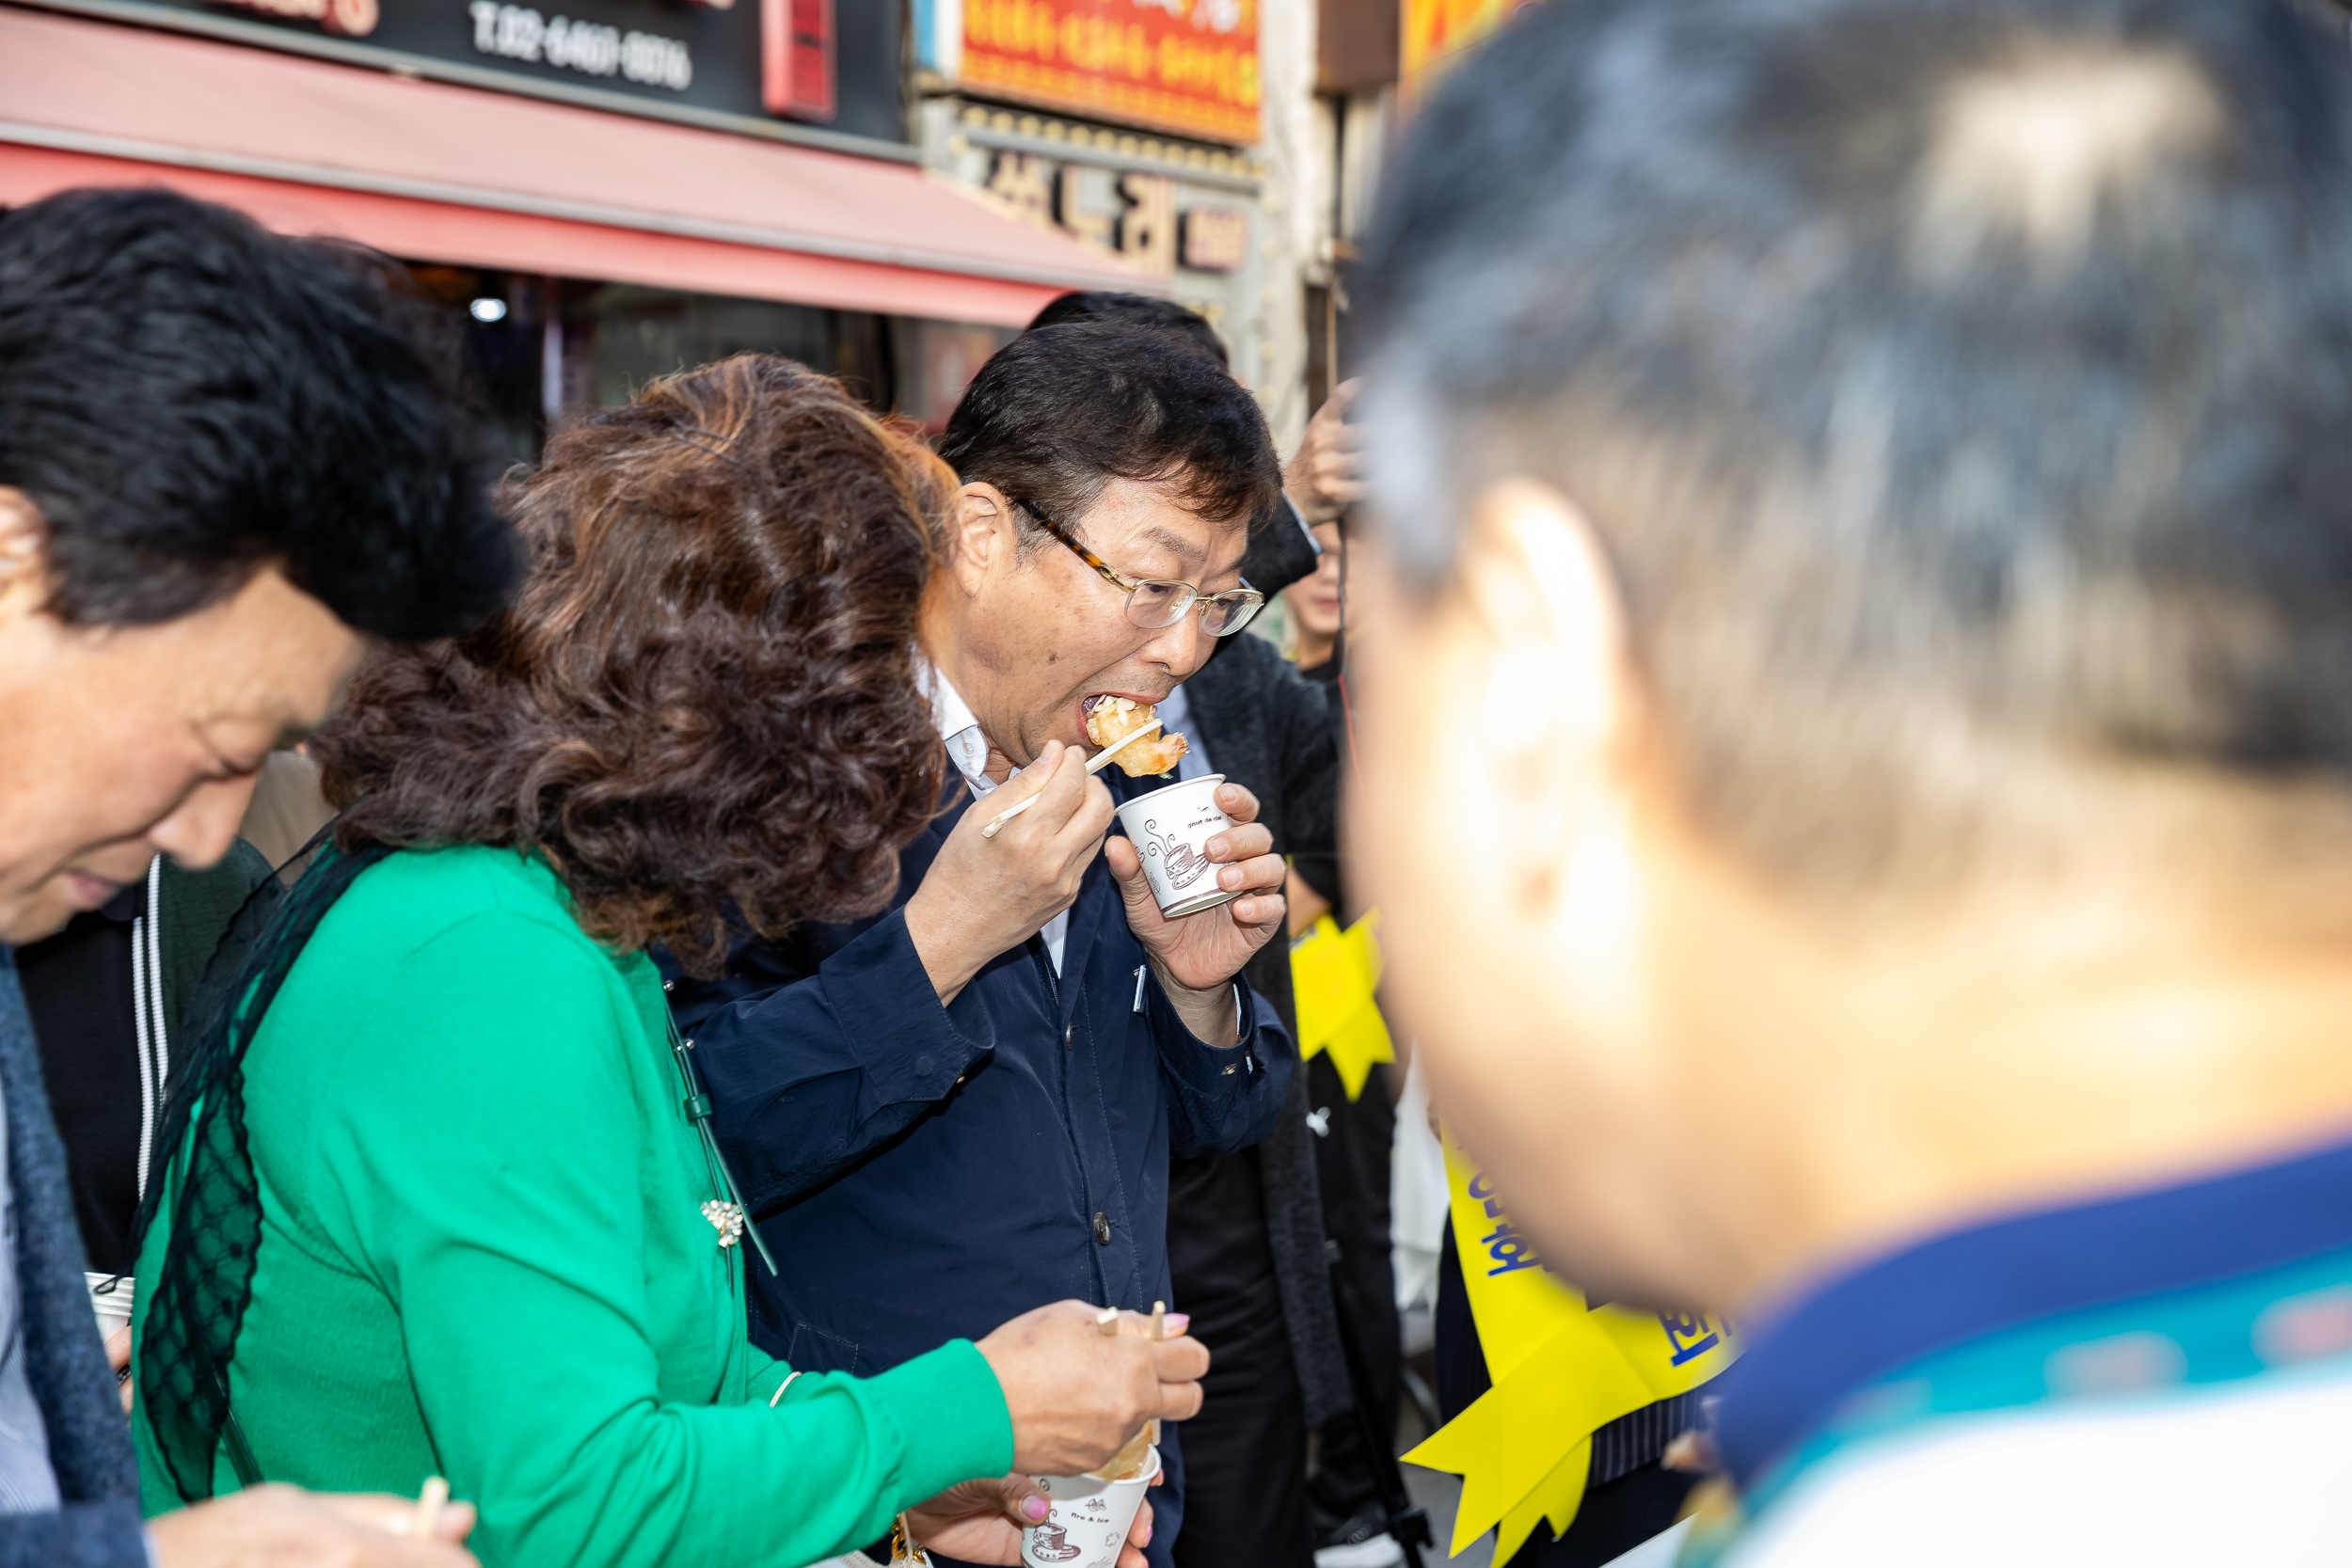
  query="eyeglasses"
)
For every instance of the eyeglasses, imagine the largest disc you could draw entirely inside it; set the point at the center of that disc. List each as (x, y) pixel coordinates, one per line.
(1153, 602)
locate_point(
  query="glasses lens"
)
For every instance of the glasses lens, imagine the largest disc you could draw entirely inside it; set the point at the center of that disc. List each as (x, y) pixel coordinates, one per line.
(1228, 613)
(1159, 604)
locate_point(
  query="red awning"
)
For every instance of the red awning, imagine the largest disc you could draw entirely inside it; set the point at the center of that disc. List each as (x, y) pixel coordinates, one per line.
(445, 173)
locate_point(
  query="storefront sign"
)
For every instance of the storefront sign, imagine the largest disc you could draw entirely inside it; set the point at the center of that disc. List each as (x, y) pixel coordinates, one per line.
(351, 18)
(833, 63)
(590, 48)
(797, 67)
(1183, 213)
(1185, 66)
(1214, 238)
(1437, 31)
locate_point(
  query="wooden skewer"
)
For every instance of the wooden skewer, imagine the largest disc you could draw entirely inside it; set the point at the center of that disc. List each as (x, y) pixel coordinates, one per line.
(1107, 1321)
(1159, 1331)
(429, 1505)
(1093, 766)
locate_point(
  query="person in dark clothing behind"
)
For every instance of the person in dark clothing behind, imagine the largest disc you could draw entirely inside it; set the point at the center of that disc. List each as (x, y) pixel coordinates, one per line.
(107, 995)
(227, 459)
(1355, 1139)
(949, 1114)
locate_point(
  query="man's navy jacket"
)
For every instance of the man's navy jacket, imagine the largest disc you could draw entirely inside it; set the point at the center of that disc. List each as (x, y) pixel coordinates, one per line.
(922, 1174)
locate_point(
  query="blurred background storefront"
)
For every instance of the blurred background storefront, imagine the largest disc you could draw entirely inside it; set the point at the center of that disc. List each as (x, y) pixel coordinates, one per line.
(608, 193)
(885, 189)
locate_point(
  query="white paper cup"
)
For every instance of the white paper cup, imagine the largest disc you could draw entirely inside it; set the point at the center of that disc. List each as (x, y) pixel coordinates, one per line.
(111, 1298)
(1087, 1518)
(1169, 827)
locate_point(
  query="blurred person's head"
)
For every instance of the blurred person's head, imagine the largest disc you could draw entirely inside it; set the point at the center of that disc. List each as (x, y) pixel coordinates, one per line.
(702, 703)
(1140, 311)
(1313, 601)
(1139, 450)
(227, 458)
(1862, 733)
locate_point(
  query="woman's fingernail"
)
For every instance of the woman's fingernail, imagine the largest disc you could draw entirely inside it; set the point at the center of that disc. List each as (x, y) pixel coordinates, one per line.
(1146, 1535)
(1177, 1322)
(1034, 1508)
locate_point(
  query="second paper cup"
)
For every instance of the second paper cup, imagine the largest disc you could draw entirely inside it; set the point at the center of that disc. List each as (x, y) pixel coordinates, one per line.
(1087, 1518)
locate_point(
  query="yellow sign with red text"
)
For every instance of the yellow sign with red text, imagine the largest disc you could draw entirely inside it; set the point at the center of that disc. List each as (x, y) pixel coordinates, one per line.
(1561, 1371)
(1438, 32)
(1185, 66)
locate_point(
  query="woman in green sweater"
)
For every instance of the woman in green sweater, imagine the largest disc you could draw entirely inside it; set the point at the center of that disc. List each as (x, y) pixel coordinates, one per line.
(439, 1204)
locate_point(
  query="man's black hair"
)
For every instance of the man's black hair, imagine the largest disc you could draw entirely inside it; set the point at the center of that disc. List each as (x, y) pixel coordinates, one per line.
(1959, 389)
(1138, 310)
(188, 398)
(1060, 411)
(1281, 551)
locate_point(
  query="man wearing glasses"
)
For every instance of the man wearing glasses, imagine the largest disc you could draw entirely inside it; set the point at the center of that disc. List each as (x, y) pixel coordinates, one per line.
(965, 1107)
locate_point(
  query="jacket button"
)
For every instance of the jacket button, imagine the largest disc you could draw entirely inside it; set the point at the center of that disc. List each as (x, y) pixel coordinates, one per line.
(1065, 1037)
(1101, 1229)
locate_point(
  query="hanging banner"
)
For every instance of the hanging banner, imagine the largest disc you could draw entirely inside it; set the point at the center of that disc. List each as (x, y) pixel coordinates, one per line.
(1333, 976)
(1185, 66)
(1561, 1369)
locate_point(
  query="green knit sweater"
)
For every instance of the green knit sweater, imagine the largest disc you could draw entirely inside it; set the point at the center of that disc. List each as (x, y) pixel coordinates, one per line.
(483, 1256)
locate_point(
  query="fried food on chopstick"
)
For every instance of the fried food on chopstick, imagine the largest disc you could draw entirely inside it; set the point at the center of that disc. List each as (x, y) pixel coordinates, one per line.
(1111, 719)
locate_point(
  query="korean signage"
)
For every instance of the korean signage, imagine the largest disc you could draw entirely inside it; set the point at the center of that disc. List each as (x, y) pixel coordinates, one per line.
(1183, 215)
(1437, 32)
(833, 63)
(1183, 66)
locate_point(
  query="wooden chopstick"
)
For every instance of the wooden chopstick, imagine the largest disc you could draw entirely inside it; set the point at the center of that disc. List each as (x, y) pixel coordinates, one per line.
(1094, 765)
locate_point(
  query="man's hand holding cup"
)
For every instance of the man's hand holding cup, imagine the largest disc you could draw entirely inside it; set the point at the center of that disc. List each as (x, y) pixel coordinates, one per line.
(1197, 956)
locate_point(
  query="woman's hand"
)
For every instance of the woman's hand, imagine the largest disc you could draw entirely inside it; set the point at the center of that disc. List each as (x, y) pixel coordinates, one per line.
(982, 1521)
(1076, 1394)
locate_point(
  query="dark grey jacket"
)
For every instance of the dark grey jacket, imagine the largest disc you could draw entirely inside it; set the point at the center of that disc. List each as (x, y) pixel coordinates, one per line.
(1268, 729)
(89, 1442)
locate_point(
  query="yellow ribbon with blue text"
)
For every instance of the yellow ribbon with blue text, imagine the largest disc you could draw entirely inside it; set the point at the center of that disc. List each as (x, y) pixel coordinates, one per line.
(1333, 976)
(1560, 1371)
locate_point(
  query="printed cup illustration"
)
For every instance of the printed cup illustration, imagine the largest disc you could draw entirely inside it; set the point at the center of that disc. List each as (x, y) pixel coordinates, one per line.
(111, 1297)
(1087, 1518)
(1170, 827)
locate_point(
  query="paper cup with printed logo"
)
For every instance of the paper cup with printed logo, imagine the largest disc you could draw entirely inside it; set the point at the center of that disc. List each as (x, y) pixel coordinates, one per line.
(1087, 1518)
(1169, 828)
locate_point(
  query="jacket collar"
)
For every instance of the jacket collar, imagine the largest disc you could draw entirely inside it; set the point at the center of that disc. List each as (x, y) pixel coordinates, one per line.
(1805, 1358)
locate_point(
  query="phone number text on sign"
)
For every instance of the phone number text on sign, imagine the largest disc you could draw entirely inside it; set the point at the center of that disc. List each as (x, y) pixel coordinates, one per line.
(591, 48)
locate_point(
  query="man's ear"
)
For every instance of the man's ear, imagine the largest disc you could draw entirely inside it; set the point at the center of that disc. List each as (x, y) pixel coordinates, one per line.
(24, 553)
(982, 534)
(1555, 704)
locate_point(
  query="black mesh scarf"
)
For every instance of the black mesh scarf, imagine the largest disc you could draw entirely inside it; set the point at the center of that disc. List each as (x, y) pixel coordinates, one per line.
(196, 1302)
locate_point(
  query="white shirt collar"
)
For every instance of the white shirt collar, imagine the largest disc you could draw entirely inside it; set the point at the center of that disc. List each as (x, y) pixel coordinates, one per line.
(967, 748)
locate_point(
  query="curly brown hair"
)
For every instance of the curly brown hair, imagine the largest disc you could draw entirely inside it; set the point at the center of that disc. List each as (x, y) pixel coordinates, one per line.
(704, 698)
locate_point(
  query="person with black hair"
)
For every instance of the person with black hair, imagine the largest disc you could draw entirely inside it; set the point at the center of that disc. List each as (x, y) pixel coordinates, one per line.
(1857, 758)
(227, 460)
(950, 1113)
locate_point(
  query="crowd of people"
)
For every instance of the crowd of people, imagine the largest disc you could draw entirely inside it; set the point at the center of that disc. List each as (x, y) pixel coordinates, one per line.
(1824, 612)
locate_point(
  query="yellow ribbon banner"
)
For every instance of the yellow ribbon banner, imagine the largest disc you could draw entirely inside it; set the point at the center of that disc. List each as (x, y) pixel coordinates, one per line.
(1333, 974)
(1561, 1371)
